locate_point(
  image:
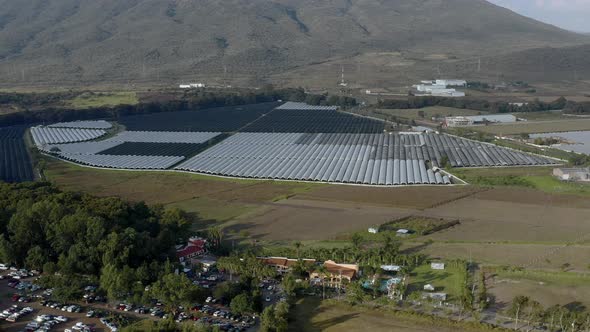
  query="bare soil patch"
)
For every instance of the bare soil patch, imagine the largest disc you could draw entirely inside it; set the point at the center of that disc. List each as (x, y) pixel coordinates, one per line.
(496, 221)
(299, 219)
(419, 197)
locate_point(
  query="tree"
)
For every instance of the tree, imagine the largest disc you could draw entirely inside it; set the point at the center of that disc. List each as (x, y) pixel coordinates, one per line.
(356, 240)
(268, 319)
(175, 290)
(444, 161)
(289, 285)
(519, 303)
(322, 271)
(36, 258)
(241, 304)
(298, 246)
(355, 293)
(281, 317)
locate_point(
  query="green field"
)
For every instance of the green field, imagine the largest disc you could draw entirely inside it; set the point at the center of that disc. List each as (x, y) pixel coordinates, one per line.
(541, 116)
(447, 281)
(429, 112)
(311, 315)
(87, 100)
(536, 127)
(539, 178)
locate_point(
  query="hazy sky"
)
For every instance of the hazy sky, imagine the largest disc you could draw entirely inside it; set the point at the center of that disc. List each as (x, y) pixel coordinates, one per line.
(568, 14)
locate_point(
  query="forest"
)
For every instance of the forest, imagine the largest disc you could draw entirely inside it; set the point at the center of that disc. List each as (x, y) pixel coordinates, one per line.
(78, 240)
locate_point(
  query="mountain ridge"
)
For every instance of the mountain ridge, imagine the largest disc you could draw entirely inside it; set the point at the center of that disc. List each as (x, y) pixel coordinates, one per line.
(83, 41)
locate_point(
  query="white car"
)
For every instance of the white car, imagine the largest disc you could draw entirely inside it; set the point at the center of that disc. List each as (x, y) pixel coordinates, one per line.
(61, 319)
(209, 299)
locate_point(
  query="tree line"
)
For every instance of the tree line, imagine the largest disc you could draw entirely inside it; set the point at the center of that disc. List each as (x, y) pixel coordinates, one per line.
(190, 101)
(486, 106)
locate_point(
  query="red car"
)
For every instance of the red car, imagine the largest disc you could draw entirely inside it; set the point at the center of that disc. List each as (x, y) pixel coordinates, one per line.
(15, 297)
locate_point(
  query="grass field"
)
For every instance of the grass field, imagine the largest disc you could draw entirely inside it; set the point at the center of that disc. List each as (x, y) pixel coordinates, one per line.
(536, 127)
(549, 288)
(429, 112)
(446, 281)
(539, 178)
(541, 116)
(313, 315)
(97, 99)
(212, 198)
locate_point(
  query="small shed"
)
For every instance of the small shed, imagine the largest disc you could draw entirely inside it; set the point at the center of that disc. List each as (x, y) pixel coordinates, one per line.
(429, 288)
(437, 266)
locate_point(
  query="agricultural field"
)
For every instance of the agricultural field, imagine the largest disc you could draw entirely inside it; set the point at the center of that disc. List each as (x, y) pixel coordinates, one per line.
(155, 149)
(429, 112)
(549, 288)
(532, 127)
(15, 162)
(219, 119)
(88, 100)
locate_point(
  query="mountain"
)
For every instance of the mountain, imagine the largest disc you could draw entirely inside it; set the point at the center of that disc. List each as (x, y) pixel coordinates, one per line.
(73, 42)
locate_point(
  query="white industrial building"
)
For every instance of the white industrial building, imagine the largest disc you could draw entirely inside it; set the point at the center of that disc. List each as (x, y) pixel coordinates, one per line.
(448, 82)
(192, 86)
(572, 174)
(440, 88)
(463, 121)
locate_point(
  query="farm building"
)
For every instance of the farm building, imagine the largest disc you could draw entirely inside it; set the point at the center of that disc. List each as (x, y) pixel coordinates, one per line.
(572, 174)
(195, 247)
(283, 264)
(336, 273)
(437, 266)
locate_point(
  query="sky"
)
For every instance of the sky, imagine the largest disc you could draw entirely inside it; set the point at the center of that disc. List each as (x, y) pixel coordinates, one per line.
(568, 14)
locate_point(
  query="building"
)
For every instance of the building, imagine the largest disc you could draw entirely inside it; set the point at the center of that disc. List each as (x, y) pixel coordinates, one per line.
(284, 265)
(391, 268)
(336, 274)
(447, 82)
(463, 121)
(457, 121)
(373, 230)
(493, 118)
(192, 86)
(195, 247)
(439, 88)
(435, 296)
(572, 174)
(429, 288)
(437, 266)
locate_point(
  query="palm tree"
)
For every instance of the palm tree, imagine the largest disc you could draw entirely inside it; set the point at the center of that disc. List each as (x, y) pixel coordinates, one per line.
(298, 246)
(322, 271)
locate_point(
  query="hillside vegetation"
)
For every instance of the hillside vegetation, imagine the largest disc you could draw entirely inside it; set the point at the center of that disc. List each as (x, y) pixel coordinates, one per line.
(73, 41)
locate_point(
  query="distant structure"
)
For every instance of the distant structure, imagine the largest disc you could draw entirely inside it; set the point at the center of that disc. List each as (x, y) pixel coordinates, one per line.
(464, 121)
(440, 88)
(195, 247)
(342, 81)
(192, 86)
(437, 266)
(572, 174)
(447, 82)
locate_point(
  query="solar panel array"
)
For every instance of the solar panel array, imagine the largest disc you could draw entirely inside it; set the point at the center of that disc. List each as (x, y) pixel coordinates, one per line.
(311, 120)
(47, 135)
(290, 105)
(373, 159)
(165, 137)
(124, 162)
(466, 153)
(292, 142)
(95, 124)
